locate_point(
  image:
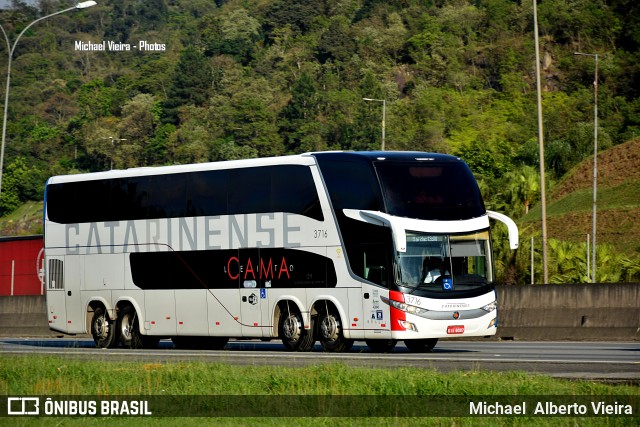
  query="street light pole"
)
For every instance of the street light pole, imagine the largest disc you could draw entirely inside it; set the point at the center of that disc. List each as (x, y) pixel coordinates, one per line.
(112, 147)
(11, 49)
(595, 161)
(384, 115)
(543, 195)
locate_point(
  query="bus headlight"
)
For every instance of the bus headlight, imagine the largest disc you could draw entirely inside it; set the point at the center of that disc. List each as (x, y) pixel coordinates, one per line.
(412, 309)
(490, 307)
(408, 325)
(395, 304)
(407, 308)
(492, 323)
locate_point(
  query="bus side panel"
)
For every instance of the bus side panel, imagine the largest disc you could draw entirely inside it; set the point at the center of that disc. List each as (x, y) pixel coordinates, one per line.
(191, 312)
(56, 309)
(103, 271)
(252, 305)
(376, 314)
(222, 322)
(160, 312)
(351, 300)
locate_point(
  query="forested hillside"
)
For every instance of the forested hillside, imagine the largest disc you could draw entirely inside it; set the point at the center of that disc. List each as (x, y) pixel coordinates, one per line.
(212, 80)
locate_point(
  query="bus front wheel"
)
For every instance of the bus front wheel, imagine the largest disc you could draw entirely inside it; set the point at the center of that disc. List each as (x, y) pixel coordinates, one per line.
(294, 336)
(103, 329)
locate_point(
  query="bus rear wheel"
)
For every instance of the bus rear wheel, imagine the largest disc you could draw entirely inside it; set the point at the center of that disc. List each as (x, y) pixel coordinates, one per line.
(103, 329)
(129, 330)
(330, 333)
(294, 336)
(381, 346)
(422, 345)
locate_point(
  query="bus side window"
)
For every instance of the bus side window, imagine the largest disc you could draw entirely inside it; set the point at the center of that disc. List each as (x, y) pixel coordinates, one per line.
(375, 270)
(377, 274)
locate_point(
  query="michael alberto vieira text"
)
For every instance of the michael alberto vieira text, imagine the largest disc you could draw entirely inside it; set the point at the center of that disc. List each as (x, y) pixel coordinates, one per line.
(550, 408)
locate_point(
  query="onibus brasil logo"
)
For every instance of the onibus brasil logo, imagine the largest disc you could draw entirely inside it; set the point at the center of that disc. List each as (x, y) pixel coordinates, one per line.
(65, 407)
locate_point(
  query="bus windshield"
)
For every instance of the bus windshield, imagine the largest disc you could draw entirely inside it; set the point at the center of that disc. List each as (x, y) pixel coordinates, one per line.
(430, 190)
(444, 263)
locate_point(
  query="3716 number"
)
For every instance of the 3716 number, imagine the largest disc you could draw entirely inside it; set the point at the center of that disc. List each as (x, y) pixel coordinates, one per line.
(320, 234)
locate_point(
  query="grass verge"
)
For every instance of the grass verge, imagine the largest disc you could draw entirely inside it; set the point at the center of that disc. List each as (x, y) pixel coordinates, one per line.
(26, 220)
(51, 376)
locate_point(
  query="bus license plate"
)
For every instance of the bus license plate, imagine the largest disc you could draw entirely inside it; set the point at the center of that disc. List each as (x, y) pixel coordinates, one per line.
(458, 329)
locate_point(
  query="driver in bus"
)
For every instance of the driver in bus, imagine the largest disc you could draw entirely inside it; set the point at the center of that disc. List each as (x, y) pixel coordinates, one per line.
(433, 268)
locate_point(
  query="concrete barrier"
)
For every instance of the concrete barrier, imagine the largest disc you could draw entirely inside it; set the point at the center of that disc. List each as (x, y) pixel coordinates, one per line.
(24, 316)
(571, 312)
(607, 311)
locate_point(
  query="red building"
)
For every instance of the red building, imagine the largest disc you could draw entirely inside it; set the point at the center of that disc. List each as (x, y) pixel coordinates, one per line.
(21, 265)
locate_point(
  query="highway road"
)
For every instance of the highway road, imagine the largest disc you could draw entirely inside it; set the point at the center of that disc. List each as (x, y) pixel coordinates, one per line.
(600, 361)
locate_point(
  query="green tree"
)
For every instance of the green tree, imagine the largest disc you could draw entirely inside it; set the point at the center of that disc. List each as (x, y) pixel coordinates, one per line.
(336, 43)
(136, 128)
(339, 117)
(20, 183)
(156, 151)
(298, 15)
(132, 15)
(139, 117)
(95, 99)
(191, 83)
(520, 189)
(255, 126)
(235, 34)
(301, 109)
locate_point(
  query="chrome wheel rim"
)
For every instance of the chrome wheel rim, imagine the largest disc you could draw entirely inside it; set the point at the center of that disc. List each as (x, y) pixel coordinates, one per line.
(329, 328)
(291, 328)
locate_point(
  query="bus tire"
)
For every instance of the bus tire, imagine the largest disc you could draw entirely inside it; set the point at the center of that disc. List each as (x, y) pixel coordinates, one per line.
(330, 333)
(292, 332)
(129, 330)
(421, 345)
(103, 329)
(381, 346)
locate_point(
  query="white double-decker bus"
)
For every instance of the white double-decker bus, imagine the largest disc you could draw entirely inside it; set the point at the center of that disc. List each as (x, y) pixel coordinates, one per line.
(330, 247)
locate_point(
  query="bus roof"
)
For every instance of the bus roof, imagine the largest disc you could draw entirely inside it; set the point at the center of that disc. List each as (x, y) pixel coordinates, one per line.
(298, 159)
(193, 167)
(387, 155)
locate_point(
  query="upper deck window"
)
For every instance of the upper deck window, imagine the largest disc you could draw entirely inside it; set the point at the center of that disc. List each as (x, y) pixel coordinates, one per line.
(264, 189)
(430, 190)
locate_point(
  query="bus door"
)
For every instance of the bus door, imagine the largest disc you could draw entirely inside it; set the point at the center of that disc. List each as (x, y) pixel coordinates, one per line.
(76, 311)
(63, 299)
(376, 271)
(253, 294)
(56, 305)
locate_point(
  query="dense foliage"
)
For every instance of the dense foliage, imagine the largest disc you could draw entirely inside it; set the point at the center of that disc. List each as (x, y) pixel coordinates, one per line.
(242, 79)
